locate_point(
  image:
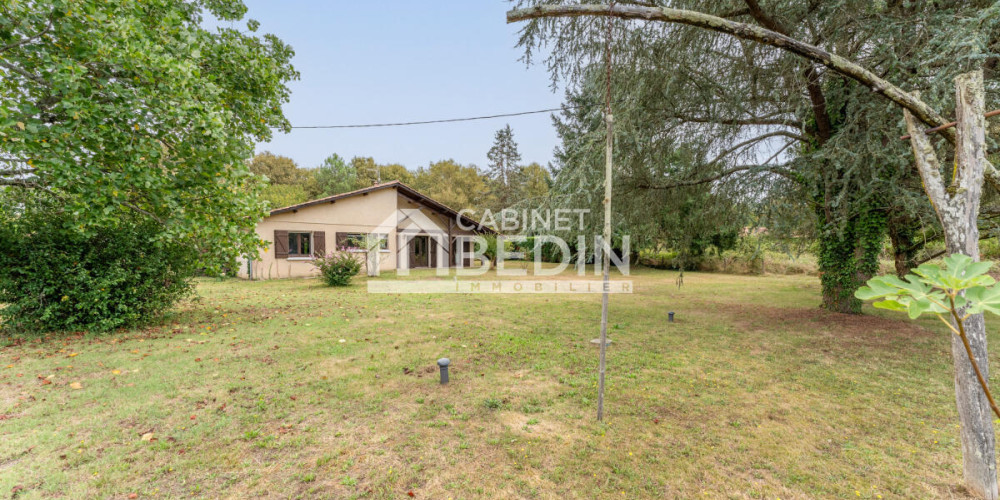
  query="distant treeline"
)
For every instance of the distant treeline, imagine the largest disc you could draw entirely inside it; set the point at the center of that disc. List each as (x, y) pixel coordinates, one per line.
(458, 186)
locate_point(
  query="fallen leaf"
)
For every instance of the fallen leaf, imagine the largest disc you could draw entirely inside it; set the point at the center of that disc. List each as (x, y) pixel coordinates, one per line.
(133, 495)
(73, 354)
(410, 493)
(76, 385)
(147, 436)
(116, 372)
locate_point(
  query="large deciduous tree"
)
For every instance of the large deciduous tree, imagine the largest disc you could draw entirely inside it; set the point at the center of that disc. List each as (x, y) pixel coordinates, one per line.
(287, 183)
(533, 183)
(279, 169)
(962, 47)
(138, 106)
(457, 186)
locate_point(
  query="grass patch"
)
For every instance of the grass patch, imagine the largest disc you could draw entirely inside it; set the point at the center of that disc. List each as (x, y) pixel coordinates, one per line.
(753, 392)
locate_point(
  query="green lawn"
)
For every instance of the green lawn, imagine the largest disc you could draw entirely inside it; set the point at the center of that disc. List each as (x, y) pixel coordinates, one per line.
(290, 389)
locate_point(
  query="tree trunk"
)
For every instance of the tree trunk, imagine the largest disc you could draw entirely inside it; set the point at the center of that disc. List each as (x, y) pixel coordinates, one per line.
(957, 207)
(848, 256)
(903, 233)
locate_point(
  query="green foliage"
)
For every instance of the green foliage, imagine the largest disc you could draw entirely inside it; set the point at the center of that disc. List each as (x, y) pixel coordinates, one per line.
(366, 171)
(533, 183)
(279, 169)
(490, 253)
(283, 195)
(334, 176)
(396, 172)
(685, 217)
(457, 186)
(135, 107)
(337, 268)
(286, 183)
(548, 251)
(503, 167)
(55, 277)
(961, 287)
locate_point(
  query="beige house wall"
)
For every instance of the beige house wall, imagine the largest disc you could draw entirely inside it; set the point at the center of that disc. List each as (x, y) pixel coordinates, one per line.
(381, 211)
(373, 212)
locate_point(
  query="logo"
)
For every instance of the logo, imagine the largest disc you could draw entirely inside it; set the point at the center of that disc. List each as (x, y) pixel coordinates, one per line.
(523, 256)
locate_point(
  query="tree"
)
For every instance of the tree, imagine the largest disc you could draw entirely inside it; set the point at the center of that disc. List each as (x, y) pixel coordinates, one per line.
(533, 182)
(333, 176)
(287, 184)
(133, 107)
(739, 103)
(504, 158)
(279, 169)
(396, 172)
(366, 171)
(283, 195)
(682, 218)
(457, 186)
(957, 204)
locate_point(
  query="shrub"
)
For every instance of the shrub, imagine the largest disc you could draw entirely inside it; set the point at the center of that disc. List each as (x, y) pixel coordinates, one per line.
(338, 268)
(56, 277)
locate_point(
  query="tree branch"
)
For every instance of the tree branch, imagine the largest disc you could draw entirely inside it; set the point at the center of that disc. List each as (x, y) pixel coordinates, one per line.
(30, 182)
(726, 173)
(13, 45)
(24, 73)
(918, 108)
(776, 133)
(10, 172)
(927, 163)
(756, 120)
(723, 174)
(145, 212)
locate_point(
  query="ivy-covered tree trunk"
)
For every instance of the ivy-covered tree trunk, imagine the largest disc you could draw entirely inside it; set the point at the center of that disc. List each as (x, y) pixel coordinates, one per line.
(848, 255)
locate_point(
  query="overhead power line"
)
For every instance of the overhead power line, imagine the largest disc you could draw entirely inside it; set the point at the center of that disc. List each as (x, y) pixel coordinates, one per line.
(445, 120)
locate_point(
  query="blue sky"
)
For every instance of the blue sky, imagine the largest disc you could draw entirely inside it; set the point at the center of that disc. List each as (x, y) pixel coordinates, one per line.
(389, 61)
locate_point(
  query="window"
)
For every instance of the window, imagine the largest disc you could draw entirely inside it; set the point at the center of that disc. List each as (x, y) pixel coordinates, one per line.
(299, 244)
(355, 242)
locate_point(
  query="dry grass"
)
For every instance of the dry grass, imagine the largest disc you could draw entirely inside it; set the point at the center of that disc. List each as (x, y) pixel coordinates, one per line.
(752, 393)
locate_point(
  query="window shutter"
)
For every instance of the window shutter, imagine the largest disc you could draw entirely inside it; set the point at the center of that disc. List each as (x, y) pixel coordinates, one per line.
(319, 243)
(341, 240)
(280, 244)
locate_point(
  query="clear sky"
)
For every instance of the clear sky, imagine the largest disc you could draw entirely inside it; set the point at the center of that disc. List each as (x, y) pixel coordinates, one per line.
(406, 60)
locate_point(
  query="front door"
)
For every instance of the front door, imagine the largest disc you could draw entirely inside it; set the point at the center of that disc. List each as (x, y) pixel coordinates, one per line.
(419, 252)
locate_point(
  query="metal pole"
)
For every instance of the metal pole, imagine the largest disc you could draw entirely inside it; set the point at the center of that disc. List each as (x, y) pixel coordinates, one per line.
(605, 263)
(609, 122)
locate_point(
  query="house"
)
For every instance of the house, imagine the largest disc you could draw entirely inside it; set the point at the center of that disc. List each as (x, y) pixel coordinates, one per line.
(414, 232)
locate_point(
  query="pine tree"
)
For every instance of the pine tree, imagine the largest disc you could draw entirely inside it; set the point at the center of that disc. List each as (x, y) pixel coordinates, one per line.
(503, 166)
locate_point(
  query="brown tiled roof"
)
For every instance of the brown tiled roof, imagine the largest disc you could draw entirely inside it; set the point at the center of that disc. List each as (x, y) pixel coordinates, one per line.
(403, 188)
